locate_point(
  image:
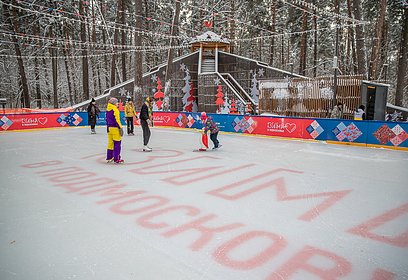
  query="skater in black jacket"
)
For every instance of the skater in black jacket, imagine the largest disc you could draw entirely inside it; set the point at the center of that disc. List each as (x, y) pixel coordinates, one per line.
(144, 118)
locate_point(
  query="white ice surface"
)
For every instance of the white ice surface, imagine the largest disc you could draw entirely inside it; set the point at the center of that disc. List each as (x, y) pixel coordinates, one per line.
(50, 232)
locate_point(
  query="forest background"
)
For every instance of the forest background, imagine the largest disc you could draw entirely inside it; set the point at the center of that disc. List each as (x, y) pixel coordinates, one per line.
(55, 54)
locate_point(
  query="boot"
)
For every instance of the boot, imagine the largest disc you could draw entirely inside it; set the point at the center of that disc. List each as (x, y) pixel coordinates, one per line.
(109, 156)
(147, 149)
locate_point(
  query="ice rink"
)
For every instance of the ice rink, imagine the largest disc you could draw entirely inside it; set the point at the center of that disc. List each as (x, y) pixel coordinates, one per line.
(258, 208)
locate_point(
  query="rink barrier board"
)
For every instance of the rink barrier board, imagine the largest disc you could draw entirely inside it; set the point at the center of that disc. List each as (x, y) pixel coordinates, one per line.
(392, 135)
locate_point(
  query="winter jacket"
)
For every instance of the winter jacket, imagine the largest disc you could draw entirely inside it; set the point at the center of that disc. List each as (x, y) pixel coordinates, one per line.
(359, 115)
(93, 111)
(336, 113)
(210, 125)
(130, 110)
(144, 112)
(113, 116)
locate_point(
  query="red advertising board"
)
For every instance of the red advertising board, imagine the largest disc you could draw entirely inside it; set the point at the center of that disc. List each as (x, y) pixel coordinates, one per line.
(282, 127)
(37, 121)
(29, 121)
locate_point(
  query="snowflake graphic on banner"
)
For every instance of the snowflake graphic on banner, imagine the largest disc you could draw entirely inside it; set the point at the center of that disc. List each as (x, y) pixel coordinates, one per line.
(183, 120)
(69, 119)
(350, 132)
(5, 123)
(245, 124)
(314, 129)
(395, 135)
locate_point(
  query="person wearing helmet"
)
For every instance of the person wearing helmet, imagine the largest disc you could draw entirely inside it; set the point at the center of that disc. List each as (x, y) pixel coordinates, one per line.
(115, 131)
(144, 117)
(210, 125)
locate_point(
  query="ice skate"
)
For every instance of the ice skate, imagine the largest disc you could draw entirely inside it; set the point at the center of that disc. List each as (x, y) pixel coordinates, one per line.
(147, 149)
(216, 148)
(93, 131)
(119, 161)
(109, 160)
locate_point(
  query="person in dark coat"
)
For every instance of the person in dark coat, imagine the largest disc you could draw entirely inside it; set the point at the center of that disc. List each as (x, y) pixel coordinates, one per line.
(93, 113)
(144, 117)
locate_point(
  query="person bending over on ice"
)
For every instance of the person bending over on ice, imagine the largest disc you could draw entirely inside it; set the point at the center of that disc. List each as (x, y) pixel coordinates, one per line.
(209, 125)
(144, 117)
(115, 131)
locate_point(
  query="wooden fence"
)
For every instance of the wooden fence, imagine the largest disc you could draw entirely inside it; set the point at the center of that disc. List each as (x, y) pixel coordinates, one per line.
(309, 97)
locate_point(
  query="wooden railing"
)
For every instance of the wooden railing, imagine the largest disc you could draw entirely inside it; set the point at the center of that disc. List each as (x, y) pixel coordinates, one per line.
(309, 97)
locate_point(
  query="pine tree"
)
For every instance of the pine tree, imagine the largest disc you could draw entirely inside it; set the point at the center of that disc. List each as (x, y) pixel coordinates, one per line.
(254, 89)
(191, 105)
(220, 98)
(233, 109)
(159, 95)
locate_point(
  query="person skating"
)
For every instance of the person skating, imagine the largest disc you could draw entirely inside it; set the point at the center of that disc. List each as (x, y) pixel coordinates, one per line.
(210, 125)
(130, 114)
(115, 131)
(144, 117)
(93, 114)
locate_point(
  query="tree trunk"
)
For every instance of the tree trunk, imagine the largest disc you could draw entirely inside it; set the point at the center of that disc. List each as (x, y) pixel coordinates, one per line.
(232, 26)
(402, 80)
(85, 69)
(315, 55)
(105, 57)
(94, 60)
(376, 48)
(115, 42)
(273, 29)
(36, 30)
(54, 63)
(171, 51)
(303, 45)
(23, 79)
(47, 83)
(122, 21)
(138, 79)
(360, 44)
(353, 57)
(66, 52)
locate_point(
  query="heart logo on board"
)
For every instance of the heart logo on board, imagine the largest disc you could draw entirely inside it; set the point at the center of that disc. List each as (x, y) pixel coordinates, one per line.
(290, 127)
(166, 119)
(42, 120)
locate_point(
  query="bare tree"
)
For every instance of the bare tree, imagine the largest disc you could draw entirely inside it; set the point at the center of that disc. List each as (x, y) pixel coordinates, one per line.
(273, 29)
(138, 80)
(171, 50)
(123, 41)
(376, 48)
(402, 83)
(303, 44)
(85, 68)
(13, 25)
(360, 41)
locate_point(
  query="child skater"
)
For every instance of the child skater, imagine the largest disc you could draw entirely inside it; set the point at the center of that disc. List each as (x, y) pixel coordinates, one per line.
(209, 125)
(115, 131)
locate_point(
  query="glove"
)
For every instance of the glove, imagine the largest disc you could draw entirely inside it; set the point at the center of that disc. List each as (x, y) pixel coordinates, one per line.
(121, 131)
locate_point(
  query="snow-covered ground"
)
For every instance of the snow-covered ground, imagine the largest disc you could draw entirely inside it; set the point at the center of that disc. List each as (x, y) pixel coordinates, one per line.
(258, 208)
